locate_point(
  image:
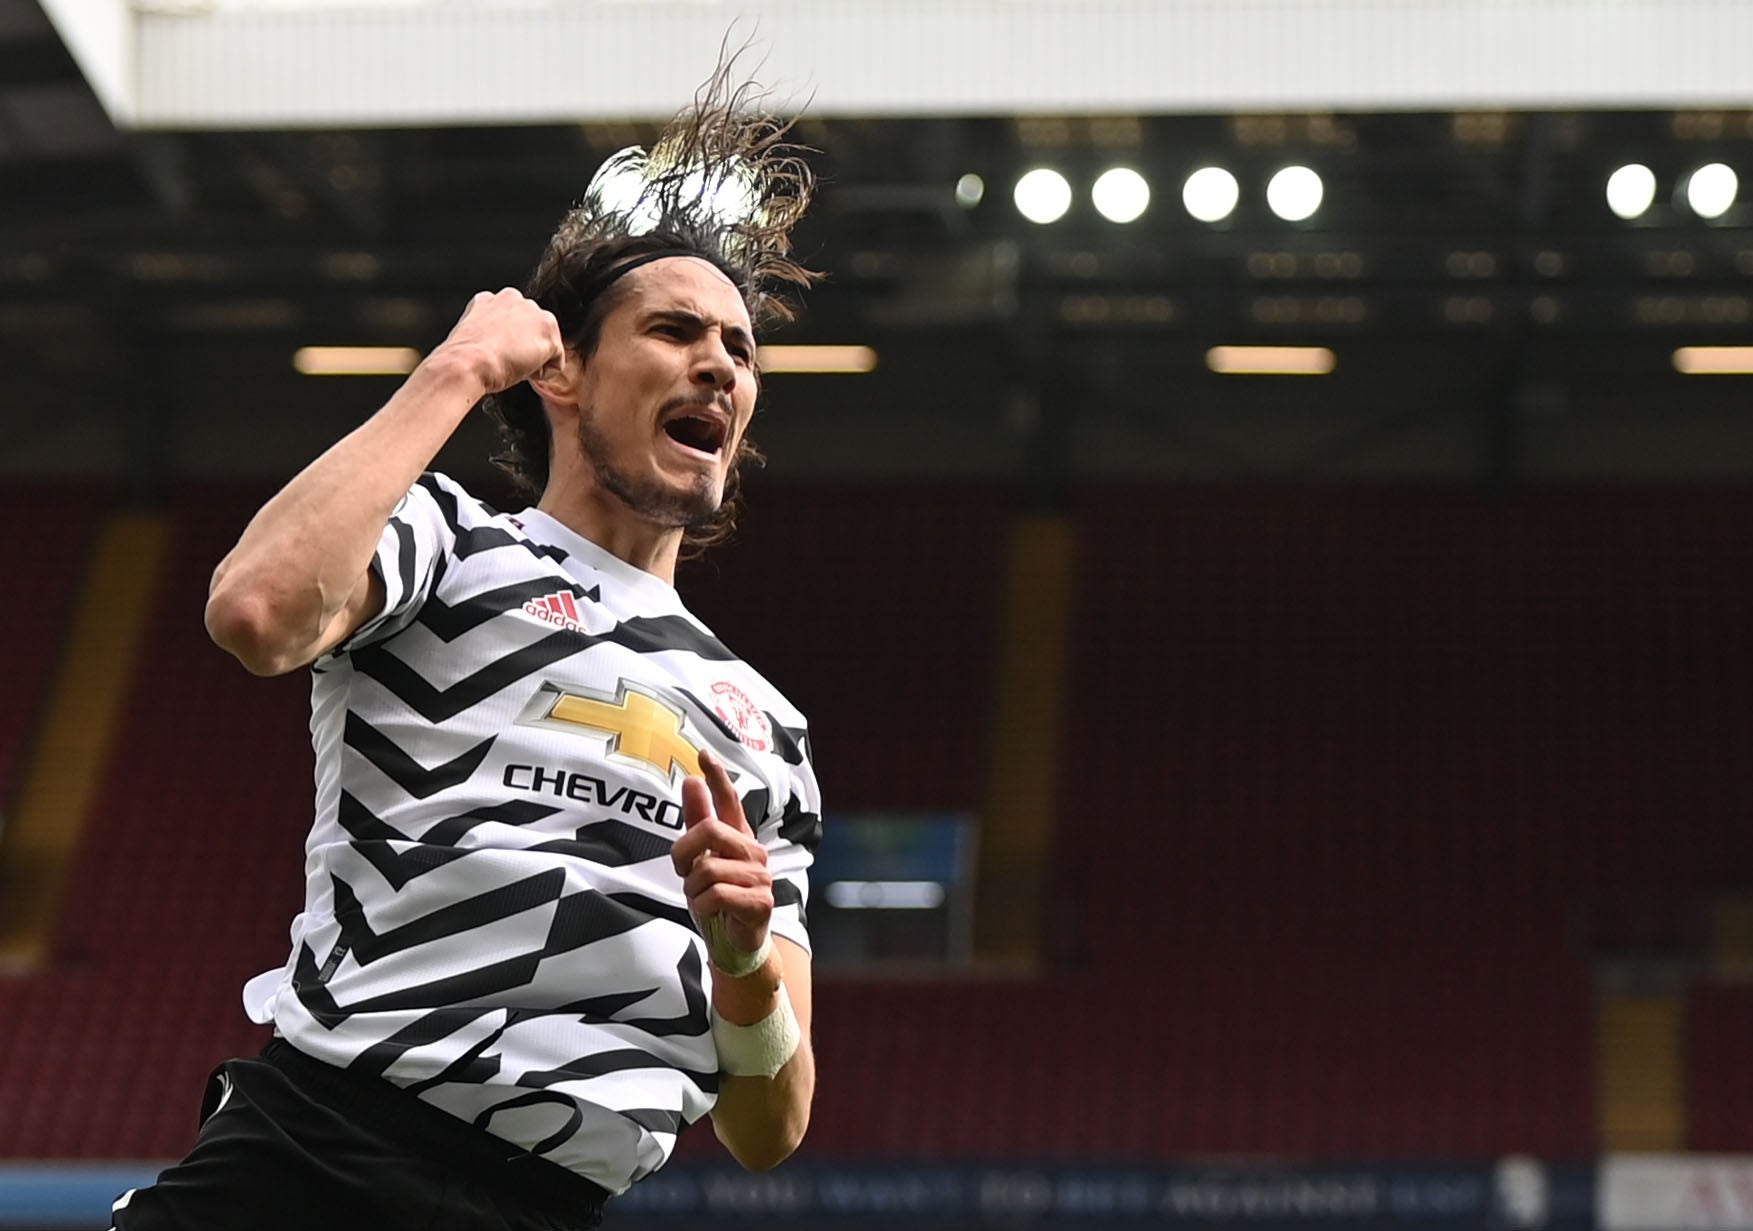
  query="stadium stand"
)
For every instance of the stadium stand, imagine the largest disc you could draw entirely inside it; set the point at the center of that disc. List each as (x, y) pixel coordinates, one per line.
(45, 565)
(1720, 1093)
(874, 608)
(1326, 1056)
(183, 888)
(1397, 748)
(1351, 697)
(1347, 775)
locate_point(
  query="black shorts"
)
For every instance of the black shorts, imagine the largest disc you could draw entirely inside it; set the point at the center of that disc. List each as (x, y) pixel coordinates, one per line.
(290, 1143)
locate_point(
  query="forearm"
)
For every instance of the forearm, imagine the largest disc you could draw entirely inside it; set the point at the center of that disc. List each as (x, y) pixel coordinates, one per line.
(276, 594)
(761, 1120)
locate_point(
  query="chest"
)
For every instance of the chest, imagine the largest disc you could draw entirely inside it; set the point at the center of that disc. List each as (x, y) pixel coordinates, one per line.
(584, 708)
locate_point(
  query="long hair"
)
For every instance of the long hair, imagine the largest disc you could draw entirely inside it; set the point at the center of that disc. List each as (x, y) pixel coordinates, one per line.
(720, 183)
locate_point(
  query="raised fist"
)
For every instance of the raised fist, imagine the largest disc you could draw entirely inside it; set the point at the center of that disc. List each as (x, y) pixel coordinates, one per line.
(504, 337)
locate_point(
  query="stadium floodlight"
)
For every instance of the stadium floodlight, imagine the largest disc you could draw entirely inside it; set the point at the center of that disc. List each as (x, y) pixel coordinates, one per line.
(1270, 360)
(356, 360)
(1121, 195)
(1294, 193)
(1631, 190)
(970, 191)
(817, 358)
(1711, 189)
(1714, 360)
(884, 895)
(1042, 195)
(1210, 194)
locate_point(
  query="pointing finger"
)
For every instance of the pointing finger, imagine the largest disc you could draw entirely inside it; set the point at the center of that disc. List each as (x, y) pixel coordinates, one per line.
(696, 801)
(724, 792)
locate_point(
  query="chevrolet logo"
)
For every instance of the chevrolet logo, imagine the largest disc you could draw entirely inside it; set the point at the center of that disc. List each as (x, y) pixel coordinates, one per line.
(641, 727)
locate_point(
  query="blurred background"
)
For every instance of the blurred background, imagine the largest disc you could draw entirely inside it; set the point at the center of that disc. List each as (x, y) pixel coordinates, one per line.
(1258, 517)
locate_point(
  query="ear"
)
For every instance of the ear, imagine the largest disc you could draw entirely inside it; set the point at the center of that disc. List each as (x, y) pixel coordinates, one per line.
(558, 387)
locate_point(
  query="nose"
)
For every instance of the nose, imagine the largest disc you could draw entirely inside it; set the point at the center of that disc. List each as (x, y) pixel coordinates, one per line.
(713, 366)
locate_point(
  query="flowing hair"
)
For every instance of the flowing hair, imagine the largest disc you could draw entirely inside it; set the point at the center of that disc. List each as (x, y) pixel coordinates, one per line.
(720, 183)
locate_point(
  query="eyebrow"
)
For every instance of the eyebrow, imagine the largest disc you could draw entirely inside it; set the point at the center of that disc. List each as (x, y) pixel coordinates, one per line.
(682, 316)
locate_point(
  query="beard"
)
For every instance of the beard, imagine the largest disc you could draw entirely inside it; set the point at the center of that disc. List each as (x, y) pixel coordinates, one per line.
(648, 496)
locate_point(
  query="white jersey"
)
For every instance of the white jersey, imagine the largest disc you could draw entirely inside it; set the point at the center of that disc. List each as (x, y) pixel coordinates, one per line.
(491, 919)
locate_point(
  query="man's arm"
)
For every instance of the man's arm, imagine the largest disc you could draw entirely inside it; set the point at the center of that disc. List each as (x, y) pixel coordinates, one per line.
(297, 583)
(761, 1120)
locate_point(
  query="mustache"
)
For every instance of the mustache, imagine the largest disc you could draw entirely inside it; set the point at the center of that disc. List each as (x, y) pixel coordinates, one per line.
(710, 401)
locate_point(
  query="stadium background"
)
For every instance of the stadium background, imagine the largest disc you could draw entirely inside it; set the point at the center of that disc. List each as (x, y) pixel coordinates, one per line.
(1352, 770)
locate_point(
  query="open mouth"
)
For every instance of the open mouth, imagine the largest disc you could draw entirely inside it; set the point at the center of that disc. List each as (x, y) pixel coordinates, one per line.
(703, 431)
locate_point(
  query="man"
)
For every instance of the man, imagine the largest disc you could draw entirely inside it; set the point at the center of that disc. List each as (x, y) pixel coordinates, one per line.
(555, 883)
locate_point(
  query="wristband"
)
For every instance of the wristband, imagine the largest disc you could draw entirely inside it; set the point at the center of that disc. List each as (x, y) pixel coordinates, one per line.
(762, 1049)
(725, 957)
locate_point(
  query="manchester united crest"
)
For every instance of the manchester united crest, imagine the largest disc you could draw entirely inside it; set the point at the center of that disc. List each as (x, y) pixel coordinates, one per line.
(742, 715)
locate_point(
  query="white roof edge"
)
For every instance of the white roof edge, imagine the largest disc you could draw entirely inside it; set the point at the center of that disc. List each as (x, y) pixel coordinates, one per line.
(100, 36)
(390, 64)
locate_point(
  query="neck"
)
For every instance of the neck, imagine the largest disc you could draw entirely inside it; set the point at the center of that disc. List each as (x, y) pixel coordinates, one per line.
(575, 500)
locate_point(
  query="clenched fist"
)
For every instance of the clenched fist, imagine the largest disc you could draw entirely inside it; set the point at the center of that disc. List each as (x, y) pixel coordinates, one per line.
(503, 337)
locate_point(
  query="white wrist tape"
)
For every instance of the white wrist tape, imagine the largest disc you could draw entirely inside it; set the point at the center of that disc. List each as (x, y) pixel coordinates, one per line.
(725, 956)
(762, 1049)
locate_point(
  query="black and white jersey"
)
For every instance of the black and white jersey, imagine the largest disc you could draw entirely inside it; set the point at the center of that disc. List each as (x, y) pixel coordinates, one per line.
(491, 919)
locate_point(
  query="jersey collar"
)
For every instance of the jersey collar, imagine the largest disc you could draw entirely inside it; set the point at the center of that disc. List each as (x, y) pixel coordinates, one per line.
(650, 589)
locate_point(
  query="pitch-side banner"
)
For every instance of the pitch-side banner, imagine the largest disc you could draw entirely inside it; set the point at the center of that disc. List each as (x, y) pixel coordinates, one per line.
(1516, 1194)
(1513, 1194)
(1671, 1192)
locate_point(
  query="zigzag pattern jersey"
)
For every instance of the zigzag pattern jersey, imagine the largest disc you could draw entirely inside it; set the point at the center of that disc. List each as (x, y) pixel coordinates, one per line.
(491, 919)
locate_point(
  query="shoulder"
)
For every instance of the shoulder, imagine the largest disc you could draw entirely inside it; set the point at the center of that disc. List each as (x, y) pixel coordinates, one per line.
(447, 499)
(762, 717)
(733, 678)
(472, 525)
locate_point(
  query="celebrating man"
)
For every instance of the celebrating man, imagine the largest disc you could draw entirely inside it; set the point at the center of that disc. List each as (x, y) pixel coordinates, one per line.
(555, 883)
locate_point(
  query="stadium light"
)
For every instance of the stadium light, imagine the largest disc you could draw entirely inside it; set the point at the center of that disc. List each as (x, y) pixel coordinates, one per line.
(1210, 194)
(817, 359)
(884, 895)
(1631, 190)
(1270, 360)
(355, 360)
(1714, 360)
(1121, 195)
(970, 191)
(1711, 189)
(1294, 193)
(1042, 195)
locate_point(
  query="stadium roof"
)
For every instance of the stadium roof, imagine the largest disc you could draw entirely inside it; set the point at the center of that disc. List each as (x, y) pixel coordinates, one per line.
(1490, 315)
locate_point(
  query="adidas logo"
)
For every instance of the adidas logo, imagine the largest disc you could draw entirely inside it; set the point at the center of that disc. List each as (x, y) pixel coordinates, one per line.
(559, 609)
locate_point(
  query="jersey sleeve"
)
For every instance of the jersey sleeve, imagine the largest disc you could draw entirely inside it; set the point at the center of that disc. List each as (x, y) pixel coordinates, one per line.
(410, 556)
(791, 837)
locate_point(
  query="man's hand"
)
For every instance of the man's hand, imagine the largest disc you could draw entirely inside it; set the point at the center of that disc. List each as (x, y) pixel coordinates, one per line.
(723, 869)
(724, 873)
(502, 338)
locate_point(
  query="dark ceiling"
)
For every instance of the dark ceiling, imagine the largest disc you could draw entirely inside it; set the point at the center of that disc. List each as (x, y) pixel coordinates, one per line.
(1464, 267)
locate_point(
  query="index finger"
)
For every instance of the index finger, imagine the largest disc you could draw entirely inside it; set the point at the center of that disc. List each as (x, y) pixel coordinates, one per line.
(725, 801)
